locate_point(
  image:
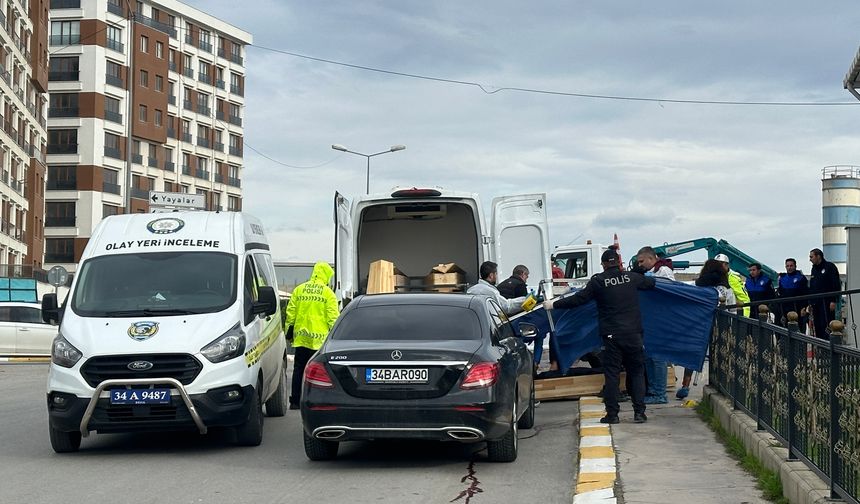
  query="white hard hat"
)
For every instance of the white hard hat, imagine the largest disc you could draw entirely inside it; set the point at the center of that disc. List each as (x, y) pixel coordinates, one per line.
(722, 258)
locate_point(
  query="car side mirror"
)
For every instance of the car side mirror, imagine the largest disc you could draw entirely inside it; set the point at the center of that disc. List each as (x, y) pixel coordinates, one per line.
(528, 330)
(50, 309)
(267, 301)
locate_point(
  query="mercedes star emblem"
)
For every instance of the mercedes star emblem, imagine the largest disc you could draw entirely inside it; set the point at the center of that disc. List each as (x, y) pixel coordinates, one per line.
(396, 355)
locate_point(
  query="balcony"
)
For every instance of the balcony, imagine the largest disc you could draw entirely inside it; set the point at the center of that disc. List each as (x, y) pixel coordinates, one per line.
(113, 152)
(235, 58)
(232, 181)
(113, 117)
(58, 40)
(219, 115)
(186, 137)
(171, 133)
(169, 166)
(187, 105)
(201, 174)
(137, 192)
(188, 72)
(137, 159)
(65, 4)
(236, 90)
(221, 52)
(171, 100)
(236, 151)
(60, 257)
(219, 147)
(152, 162)
(109, 187)
(189, 39)
(205, 46)
(172, 66)
(220, 84)
(115, 8)
(235, 120)
(219, 178)
(63, 112)
(113, 80)
(63, 148)
(158, 25)
(204, 78)
(65, 221)
(203, 142)
(186, 170)
(203, 109)
(61, 184)
(57, 76)
(115, 45)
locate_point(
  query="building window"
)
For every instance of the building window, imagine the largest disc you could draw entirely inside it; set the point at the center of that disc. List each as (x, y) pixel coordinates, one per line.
(142, 113)
(144, 44)
(235, 145)
(112, 146)
(60, 213)
(144, 78)
(159, 83)
(112, 112)
(108, 210)
(113, 72)
(158, 118)
(114, 38)
(205, 41)
(59, 250)
(62, 178)
(63, 141)
(63, 69)
(110, 184)
(159, 50)
(183, 189)
(203, 74)
(233, 171)
(236, 53)
(63, 105)
(65, 32)
(232, 203)
(235, 83)
(168, 155)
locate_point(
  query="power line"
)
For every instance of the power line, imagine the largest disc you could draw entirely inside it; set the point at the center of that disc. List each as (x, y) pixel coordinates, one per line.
(494, 89)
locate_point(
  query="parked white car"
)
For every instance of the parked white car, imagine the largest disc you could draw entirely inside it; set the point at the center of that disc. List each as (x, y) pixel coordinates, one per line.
(22, 330)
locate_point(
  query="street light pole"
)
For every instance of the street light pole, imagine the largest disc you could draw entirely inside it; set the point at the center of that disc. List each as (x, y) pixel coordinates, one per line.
(393, 148)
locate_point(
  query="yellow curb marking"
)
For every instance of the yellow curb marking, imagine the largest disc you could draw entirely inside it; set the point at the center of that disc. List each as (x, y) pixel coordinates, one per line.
(592, 414)
(590, 400)
(594, 431)
(606, 479)
(589, 452)
(582, 488)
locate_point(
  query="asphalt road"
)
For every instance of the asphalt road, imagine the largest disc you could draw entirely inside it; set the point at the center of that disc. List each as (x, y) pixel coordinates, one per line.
(188, 468)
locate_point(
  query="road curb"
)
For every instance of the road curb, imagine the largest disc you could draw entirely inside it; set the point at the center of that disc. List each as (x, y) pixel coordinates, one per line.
(799, 484)
(25, 359)
(595, 480)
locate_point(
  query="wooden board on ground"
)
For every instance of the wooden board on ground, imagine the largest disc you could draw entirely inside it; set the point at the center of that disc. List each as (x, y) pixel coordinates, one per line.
(572, 387)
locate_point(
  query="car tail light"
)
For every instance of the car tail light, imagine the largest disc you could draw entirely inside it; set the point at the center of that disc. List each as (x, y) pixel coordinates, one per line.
(317, 376)
(482, 374)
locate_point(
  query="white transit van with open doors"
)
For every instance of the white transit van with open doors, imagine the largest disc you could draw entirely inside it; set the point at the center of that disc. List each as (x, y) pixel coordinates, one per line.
(171, 323)
(417, 229)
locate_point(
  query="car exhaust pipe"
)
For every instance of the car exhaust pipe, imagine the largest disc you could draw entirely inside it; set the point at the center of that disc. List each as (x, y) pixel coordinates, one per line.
(329, 434)
(465, 434)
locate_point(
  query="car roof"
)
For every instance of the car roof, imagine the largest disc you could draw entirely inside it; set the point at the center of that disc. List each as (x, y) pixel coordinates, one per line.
(460, 300)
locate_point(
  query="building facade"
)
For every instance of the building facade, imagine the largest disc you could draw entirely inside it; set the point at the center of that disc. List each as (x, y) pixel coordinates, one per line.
(160, 90)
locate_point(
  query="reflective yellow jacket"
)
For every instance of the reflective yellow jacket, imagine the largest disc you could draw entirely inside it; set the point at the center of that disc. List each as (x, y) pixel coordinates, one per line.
(736, 282)
(312, 309)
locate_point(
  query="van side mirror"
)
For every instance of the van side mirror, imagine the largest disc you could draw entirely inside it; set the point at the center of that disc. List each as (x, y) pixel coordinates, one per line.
(528, 330)
(267, 301)
(50, 309)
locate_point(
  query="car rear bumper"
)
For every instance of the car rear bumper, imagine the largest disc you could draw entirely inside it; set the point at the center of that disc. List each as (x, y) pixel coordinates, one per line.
(443, 423)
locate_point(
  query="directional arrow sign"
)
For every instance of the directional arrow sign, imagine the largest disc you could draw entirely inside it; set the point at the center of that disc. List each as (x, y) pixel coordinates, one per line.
(177, 200)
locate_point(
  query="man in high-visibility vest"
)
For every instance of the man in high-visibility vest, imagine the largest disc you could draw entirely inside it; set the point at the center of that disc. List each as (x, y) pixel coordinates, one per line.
(736, 283)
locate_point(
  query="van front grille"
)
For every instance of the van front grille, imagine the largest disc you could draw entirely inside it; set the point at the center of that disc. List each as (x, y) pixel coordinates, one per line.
(181, 367)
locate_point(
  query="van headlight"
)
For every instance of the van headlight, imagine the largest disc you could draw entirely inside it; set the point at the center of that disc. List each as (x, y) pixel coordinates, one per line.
(64, 353)
(229, 345)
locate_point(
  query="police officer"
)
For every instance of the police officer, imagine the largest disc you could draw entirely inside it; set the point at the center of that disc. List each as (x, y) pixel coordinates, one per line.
(620, 324)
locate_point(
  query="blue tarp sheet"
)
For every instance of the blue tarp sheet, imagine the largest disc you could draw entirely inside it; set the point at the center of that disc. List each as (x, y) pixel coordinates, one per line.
(676, 323)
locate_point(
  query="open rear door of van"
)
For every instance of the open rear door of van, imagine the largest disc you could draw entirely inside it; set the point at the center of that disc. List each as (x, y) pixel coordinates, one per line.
(343, 253)
(521, 235)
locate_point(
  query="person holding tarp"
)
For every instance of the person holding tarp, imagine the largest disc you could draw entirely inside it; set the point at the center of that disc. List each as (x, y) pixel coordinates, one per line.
(620, 326)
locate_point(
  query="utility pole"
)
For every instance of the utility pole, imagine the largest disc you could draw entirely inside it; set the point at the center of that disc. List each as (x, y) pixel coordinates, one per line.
(129, 116)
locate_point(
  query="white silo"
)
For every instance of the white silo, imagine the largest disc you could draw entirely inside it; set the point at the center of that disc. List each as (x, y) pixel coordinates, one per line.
(840, 207)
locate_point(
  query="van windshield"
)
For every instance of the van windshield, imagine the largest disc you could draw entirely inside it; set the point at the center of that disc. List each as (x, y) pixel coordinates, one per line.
(156, 283)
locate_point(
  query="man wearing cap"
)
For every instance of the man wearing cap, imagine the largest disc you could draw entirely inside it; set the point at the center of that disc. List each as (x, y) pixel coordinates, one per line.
(736, 283)
(620, 322)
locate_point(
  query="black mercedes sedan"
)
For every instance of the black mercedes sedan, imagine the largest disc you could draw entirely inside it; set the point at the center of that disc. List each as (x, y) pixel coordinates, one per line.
(444, 367)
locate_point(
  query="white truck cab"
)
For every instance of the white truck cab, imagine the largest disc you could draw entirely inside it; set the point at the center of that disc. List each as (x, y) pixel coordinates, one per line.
(417, 229)
(171, 323)
(578, 262)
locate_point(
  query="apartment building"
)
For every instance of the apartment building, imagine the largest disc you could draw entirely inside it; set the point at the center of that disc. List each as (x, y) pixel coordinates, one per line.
(23, 87)
(151, 99)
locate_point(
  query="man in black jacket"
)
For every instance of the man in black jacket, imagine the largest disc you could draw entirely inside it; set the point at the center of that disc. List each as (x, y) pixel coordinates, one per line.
(792, 283)
(825, 278)
(620, 322)
(515, 286)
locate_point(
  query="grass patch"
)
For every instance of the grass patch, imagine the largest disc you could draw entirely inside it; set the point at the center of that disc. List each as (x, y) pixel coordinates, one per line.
(766, 480)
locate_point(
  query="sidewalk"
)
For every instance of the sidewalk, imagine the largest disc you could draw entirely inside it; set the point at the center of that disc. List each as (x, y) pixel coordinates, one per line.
(676, 458)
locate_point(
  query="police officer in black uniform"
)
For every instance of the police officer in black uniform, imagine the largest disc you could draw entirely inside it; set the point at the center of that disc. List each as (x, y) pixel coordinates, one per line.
(620, 320)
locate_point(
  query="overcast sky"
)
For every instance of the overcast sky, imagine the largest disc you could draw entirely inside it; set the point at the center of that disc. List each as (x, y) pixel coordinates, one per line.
(651, 172)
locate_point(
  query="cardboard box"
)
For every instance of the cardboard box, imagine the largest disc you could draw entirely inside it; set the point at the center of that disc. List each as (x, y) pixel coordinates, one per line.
(384, 277)
(445, 277)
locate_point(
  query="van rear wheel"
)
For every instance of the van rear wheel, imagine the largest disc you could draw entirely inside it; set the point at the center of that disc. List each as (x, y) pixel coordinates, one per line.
(276, 406)
(250, 433)
(64, 442)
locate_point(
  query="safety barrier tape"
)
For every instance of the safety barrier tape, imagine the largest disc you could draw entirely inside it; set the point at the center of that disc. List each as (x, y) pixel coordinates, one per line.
(595, 480)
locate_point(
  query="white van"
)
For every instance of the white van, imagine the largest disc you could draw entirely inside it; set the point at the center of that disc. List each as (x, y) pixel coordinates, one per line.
(171, 323)
(417, 229)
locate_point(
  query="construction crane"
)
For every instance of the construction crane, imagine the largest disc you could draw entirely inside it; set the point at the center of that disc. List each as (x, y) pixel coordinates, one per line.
(738, 260)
